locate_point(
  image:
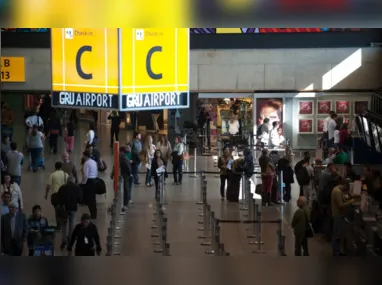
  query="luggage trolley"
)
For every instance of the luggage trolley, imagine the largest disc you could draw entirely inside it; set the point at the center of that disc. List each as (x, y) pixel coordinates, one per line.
(45, 245)
(40, 163)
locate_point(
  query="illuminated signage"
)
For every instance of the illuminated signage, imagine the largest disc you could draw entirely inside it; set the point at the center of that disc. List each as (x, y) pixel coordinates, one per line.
(85, 60)
(84, 100)
(147, 68)
(12, 69)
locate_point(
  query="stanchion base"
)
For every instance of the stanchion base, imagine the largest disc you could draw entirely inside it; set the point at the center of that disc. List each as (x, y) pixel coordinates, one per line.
(243, 208)
(209, 252)
(116, 253)
(156, 243)
(202, 237)
(200, 222)
(251, 236)
(118, 237)
(154, 227)
(122, 213)
(155, 214)
(158, 250)
(207, 243)
(245, 214)
(201, 229)
(256, 242)
(201, 215)
(194, 176)
(258, 251)
(118, 228)
(154, 235)
(199, 203)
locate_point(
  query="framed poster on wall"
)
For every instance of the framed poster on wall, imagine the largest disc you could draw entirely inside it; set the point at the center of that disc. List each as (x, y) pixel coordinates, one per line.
(320, 126)
(359, 107)
(306, 107)
(324, 107)
(342, 107)
(305, 126)
(271, 108)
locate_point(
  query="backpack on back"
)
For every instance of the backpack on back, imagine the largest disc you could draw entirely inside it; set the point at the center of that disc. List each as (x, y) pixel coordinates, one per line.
(303, 177)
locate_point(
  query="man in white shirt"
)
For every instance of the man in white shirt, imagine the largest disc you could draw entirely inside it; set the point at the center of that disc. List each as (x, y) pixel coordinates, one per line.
(332, 124)
(89, 182)
(326, 121)
(34, 120)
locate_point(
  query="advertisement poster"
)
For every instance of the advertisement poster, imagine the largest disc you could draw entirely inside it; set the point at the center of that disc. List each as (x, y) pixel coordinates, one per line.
(306, 107)
(272, 109)
(360, 107)
(343, 107)
(324, 107)
(305, 126)
(320, 126)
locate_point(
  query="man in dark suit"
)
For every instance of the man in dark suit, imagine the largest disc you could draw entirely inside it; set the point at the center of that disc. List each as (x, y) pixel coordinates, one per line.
(14, 231)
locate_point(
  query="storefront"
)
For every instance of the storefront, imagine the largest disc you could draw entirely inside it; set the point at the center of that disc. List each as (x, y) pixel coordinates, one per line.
(220, 108)
(302, 115)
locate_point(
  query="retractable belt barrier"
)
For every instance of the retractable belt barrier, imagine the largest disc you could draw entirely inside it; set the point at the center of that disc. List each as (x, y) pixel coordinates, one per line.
(211, 226)
(252, 211)
(160, 221)
(115, 229)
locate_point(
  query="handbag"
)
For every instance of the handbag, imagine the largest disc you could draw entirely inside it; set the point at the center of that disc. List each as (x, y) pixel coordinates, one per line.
(309, 232)
(100, 188)
(185, 156)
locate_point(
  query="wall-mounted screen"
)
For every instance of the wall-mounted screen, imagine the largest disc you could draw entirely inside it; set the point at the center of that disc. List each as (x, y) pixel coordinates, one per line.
(375, 136)
(25, 30)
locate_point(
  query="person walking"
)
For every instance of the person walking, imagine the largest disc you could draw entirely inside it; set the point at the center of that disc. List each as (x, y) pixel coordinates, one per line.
(136, 148)
(155, 116)
(69, 167)
(127, 175)
(165, 148)
(267, 175)
(54, 130)
(300, 224)
(149, 149)
(177, 161)
(89, 182)
(69, 136)
(69, 196)
(35, 144)
(225, 164)
(86, 237)
(90, 136)
(14, 231)
(14, 159)
(115, 119)
(157, 163)
(56, 179)
(14, 190)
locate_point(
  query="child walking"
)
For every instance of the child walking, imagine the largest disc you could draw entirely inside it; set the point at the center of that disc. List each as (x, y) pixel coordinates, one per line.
(69, 136)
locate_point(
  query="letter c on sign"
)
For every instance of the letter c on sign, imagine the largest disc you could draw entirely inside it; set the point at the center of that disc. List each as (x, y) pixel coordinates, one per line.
(81, 73)
(155, 76)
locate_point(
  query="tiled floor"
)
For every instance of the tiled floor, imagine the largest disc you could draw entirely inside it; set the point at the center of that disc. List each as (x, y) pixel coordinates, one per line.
(181, 210)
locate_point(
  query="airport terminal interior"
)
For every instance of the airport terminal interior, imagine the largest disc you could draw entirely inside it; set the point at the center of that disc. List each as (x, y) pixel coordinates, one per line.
(309, 114)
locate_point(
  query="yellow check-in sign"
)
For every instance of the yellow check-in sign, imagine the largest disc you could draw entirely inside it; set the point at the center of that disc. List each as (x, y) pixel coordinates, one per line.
(12, 69)
(155, 60)
(85, 60)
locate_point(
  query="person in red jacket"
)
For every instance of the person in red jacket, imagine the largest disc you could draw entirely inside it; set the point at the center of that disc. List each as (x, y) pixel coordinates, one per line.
(344, 135)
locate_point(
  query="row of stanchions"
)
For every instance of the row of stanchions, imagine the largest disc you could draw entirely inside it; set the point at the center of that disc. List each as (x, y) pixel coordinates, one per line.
(211, 225)
(160, 221)
(115, 229)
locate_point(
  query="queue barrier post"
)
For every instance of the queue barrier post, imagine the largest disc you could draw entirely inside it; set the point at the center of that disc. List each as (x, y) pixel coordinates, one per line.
(204, 214)
(207, 226)
(194, 174)
(218, 143)
(161, 190)
(202, 178)
(281, 240)
(244, 190)
(204, 197)
(258, 241)
(251, 215)
(282, 187)
(216, 237)
(212, 234)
